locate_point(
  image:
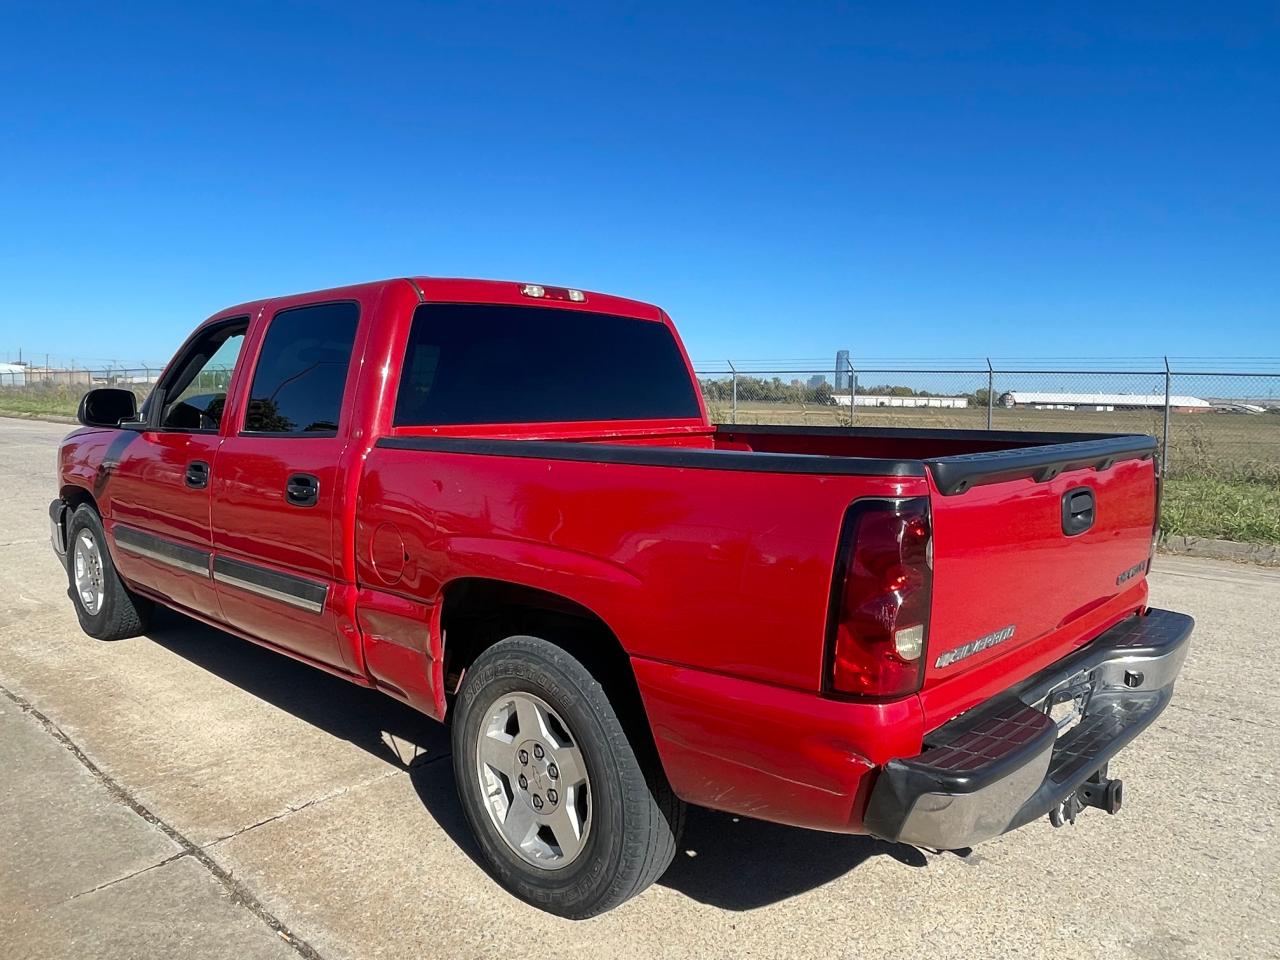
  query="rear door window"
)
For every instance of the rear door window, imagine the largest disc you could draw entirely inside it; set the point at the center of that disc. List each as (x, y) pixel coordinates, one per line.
(484, 363)
(301, 374)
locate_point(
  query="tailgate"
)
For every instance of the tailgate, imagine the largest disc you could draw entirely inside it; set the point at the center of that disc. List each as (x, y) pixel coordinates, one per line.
(1023, 575)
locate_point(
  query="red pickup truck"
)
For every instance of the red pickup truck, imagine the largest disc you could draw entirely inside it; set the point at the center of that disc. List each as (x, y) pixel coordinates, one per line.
(504, 504)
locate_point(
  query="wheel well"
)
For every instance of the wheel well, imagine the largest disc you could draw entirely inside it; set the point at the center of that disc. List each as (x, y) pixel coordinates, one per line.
(478, 612)
(74, 496)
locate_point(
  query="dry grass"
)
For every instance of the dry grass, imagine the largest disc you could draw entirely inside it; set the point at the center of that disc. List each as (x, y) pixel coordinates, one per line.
(1224, 480)
(1235, 446)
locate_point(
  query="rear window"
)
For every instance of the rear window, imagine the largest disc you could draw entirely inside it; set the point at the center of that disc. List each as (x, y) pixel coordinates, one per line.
(481, 363)
(302, 370)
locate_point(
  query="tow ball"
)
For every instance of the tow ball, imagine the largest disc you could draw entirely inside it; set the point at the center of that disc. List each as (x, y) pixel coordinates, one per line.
(1098, 791)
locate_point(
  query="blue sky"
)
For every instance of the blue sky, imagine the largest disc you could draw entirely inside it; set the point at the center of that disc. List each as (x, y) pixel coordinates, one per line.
(949, 180)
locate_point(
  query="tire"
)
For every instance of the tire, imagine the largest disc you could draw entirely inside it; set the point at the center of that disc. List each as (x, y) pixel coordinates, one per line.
(593, 845)
(118, 612)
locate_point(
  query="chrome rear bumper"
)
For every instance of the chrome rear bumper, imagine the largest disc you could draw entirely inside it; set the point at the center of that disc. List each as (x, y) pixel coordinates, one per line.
(1003, 763)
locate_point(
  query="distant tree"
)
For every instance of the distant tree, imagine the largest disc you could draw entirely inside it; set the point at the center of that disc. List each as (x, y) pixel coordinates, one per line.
(772, 390)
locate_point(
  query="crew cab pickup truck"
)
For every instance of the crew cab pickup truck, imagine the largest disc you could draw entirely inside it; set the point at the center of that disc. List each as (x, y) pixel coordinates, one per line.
(504, 504)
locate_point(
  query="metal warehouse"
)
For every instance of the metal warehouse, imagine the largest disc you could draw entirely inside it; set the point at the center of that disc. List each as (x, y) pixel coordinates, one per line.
(1102, 401)
(875, 400)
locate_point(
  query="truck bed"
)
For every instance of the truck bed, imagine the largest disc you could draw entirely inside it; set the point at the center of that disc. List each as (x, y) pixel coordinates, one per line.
(1005, 529)
(962, 458)
(957, 459)
(712, 554)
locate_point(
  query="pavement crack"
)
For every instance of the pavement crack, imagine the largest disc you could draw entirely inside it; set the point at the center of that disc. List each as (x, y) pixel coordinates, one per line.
(128, 876)
(331, 795)
(236, 891)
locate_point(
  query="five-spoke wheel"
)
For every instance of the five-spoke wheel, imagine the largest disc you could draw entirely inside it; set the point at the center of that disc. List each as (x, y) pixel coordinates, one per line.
(86, 559)
(534, 780)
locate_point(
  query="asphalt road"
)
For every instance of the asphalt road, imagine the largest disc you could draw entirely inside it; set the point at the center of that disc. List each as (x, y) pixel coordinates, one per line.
(187, 794)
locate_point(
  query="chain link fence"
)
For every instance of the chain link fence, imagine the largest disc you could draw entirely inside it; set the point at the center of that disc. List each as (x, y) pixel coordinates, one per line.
(15, 376)
(1214, 424)
(37, 390)
(1224, 424)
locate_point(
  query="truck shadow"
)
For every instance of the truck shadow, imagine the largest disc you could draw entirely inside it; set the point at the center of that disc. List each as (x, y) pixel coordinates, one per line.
(737, 863)
(729, 862)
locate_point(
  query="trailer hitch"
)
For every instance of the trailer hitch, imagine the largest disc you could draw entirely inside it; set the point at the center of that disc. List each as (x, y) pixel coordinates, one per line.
(1098, 791)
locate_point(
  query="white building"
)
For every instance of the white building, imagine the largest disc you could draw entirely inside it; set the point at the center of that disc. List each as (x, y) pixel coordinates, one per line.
(13, 375)
(871, 400)
(1101, 401)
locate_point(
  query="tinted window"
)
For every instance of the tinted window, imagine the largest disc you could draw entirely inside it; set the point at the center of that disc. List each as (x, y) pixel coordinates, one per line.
(473, 363)
(200, 404)
(302, 369)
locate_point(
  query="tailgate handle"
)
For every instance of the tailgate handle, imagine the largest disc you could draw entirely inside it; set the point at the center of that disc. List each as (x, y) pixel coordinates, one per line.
(1078, 511)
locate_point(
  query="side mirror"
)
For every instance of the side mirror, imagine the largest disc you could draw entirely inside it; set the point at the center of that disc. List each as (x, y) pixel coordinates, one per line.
(107, 407)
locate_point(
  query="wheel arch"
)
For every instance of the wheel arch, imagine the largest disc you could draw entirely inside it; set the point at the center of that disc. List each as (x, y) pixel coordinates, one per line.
(74, 495)
(477, 612)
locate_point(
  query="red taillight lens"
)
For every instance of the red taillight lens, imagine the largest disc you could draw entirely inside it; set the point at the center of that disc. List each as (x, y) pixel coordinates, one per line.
(881, 604)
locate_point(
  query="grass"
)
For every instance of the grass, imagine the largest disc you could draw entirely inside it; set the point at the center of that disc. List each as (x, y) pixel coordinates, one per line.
(46, 400)
(1221, 508)
(31, 402)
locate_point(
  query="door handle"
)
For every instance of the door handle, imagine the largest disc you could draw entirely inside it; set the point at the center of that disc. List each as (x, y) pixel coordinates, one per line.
(302, 490)
(197, 474)
(1079, 508)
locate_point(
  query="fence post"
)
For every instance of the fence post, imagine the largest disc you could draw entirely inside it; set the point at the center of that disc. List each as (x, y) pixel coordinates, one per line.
(853, 392)
(734, 416)
(1168, 397)
(991, 391)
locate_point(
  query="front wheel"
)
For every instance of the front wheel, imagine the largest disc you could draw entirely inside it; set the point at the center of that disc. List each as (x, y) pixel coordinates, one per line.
(105, 607)
(567, 815)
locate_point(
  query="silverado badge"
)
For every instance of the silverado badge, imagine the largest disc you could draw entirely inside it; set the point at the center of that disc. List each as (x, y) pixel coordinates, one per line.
(974, 646)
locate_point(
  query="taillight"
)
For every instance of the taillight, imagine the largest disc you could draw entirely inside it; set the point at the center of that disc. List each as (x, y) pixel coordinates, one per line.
(880, 598)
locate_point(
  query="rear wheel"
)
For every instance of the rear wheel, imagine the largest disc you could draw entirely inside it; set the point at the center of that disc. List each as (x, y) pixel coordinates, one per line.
(105, 607)
(567, 814)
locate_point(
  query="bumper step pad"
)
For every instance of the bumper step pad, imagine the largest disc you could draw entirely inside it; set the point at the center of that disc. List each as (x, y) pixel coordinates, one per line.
(1003, 764)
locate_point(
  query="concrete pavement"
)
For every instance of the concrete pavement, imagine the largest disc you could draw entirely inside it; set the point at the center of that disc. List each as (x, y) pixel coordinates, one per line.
(189, 794)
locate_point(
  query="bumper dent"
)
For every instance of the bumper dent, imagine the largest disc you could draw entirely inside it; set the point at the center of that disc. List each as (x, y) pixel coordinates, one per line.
(1003, 764)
